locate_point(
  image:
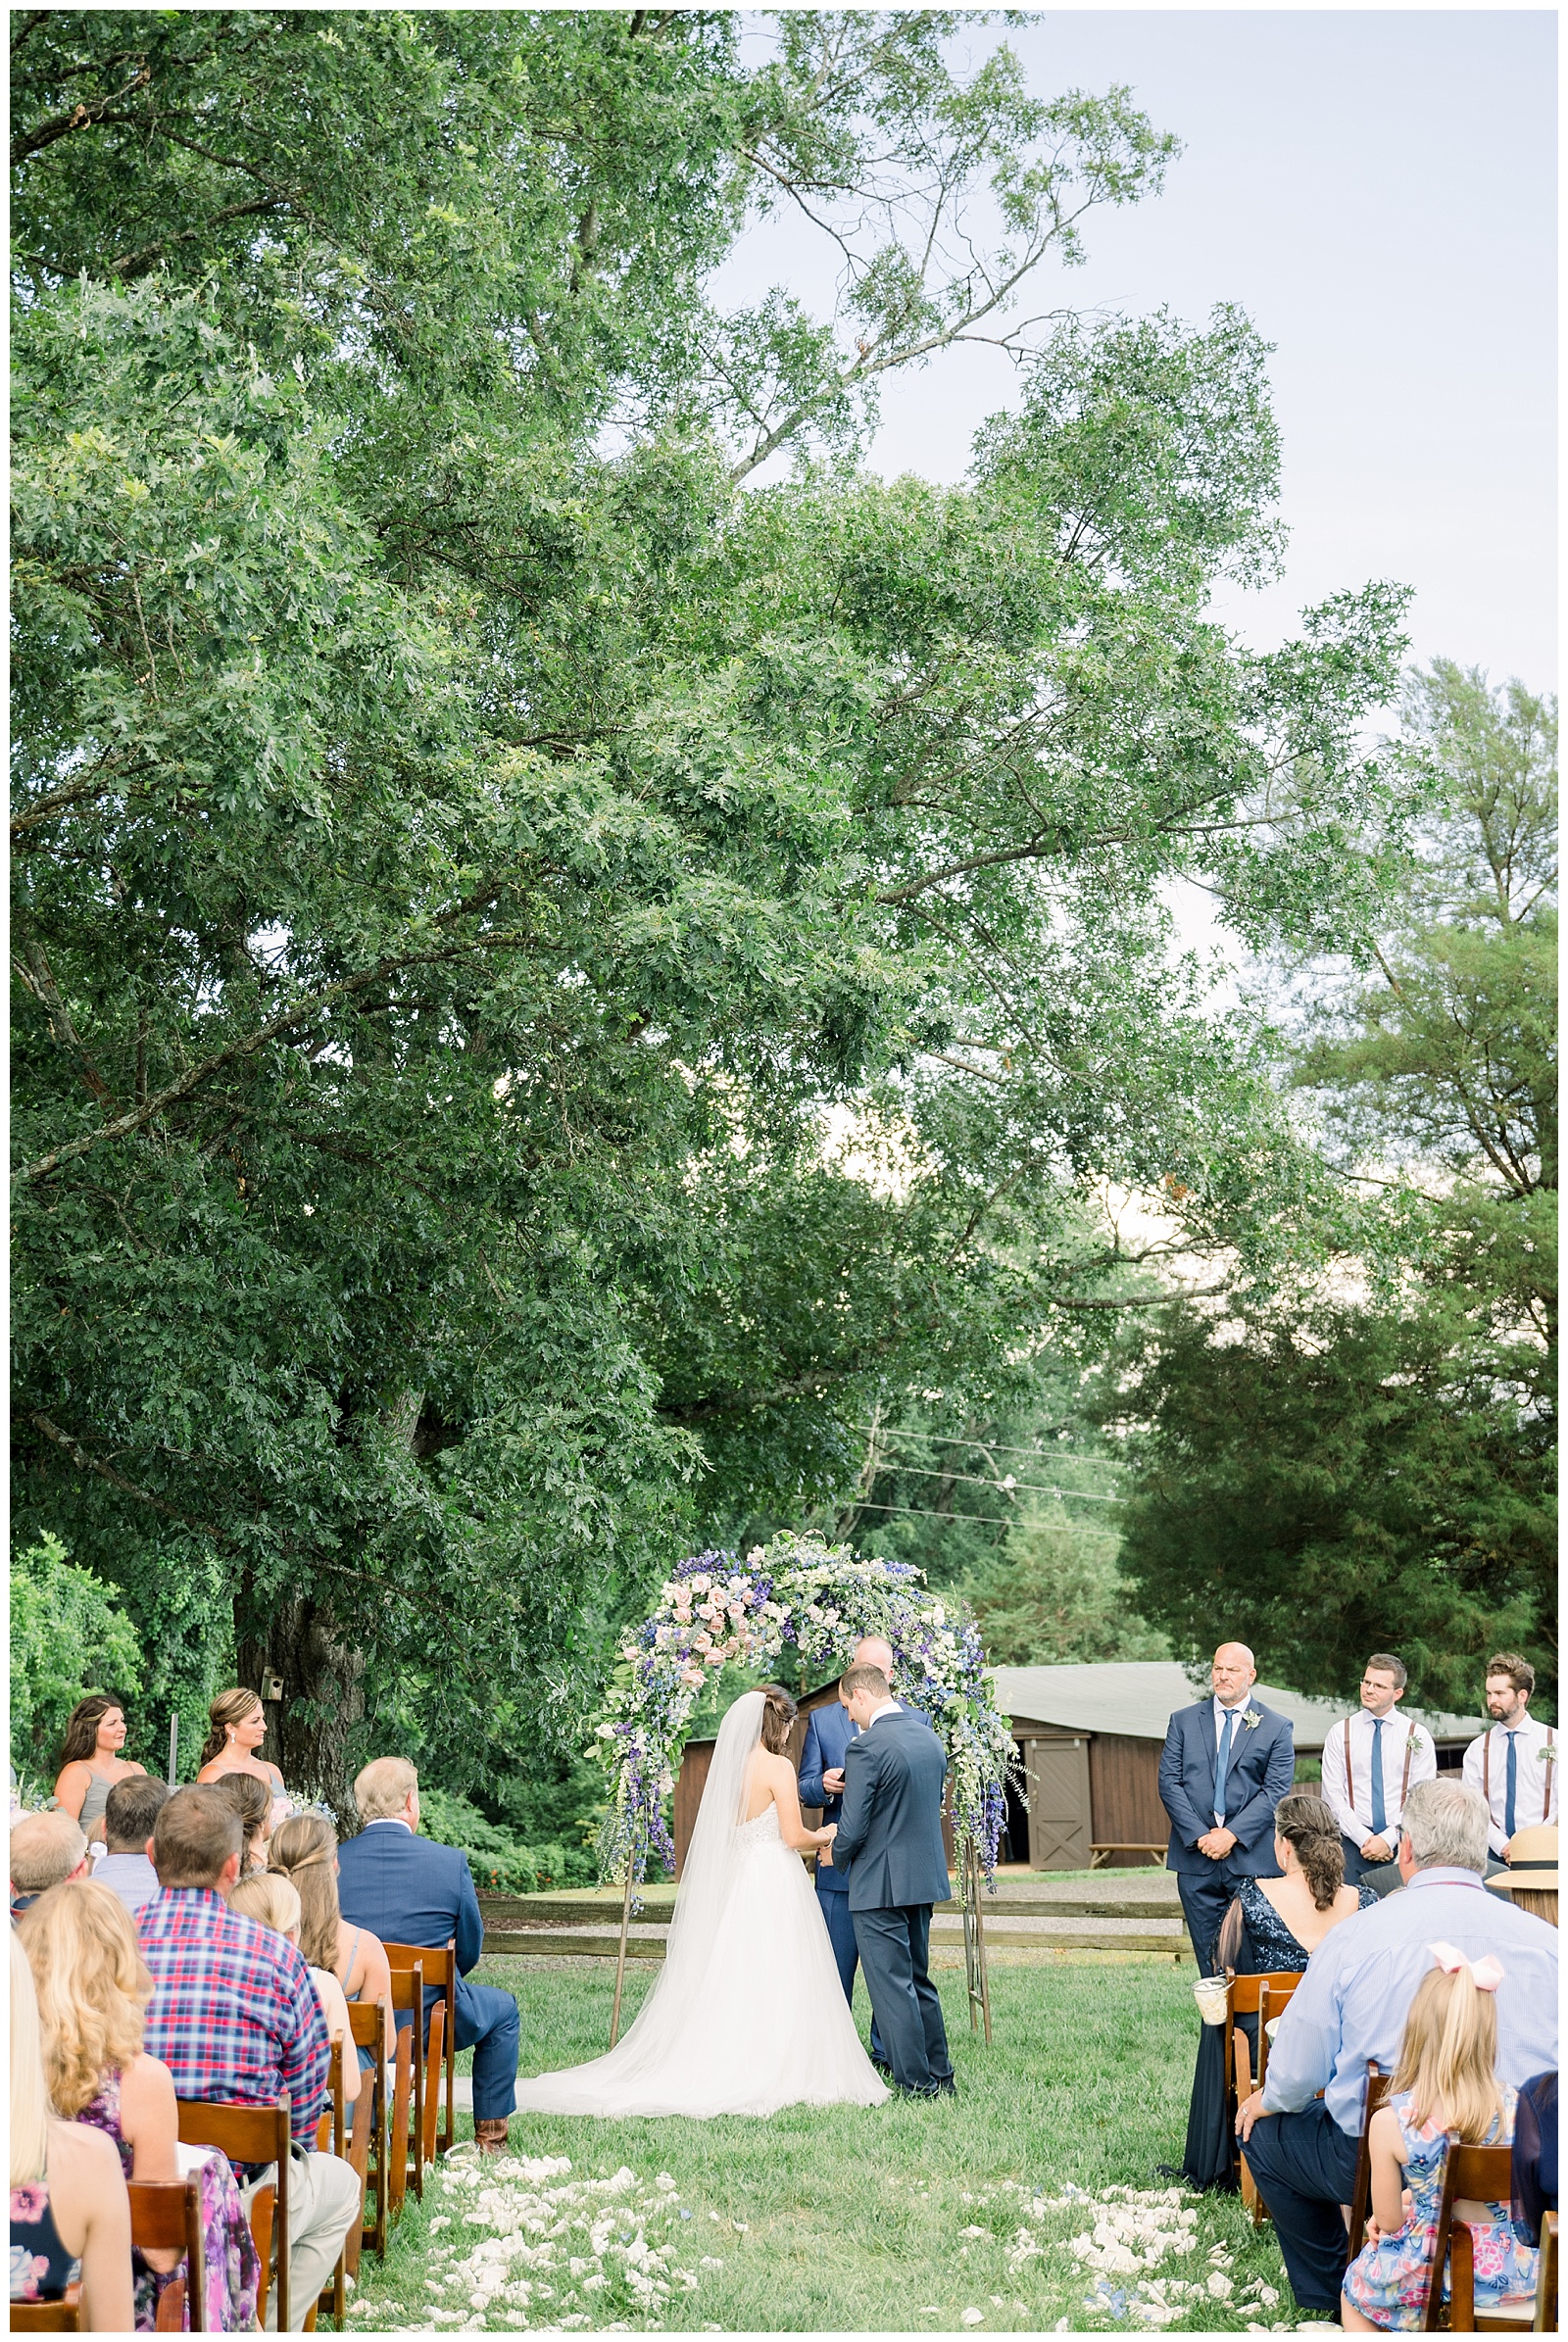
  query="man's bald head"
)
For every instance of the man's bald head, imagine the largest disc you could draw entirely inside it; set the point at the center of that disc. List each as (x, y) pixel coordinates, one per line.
(1233, 1673)
(873, 1651)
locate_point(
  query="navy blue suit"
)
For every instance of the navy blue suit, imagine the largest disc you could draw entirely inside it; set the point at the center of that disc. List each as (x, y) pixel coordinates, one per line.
(408, 1889)
(890, 1832)
(1261, 1768)
(828, 1733)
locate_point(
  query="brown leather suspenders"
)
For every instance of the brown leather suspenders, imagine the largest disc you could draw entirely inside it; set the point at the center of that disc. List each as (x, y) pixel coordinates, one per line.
(1486, 1773)
(1404, 1780)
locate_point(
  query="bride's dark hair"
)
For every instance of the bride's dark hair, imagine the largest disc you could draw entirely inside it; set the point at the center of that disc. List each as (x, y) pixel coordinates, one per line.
(778, 1715)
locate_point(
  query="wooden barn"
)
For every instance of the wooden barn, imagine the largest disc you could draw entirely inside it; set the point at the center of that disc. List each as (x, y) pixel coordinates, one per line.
(1090, 1738)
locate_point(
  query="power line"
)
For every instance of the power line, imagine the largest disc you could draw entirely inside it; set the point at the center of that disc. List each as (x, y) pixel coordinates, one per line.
(926, 1512)
(884, 1431)
(1038, 1488)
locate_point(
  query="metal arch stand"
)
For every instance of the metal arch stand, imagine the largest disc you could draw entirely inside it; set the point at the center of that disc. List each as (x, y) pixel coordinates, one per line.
(974, 1943)
(620, 1960)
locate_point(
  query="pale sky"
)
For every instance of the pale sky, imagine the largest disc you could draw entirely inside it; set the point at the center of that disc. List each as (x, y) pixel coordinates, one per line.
(1377, 189)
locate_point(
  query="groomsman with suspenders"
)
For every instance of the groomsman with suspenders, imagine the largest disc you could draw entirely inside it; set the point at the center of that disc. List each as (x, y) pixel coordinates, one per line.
(1370, 1764)
(1514, 1765)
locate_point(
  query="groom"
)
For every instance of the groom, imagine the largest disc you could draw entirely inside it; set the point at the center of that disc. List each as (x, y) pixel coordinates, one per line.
(828, 1733)
(889, 1840)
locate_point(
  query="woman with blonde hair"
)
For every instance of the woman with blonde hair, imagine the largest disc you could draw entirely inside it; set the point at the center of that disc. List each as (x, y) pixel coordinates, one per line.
(1445, 2081)
(238, 1722)
(70, 2213)
(305, 1850)
(273, 1901)
(92, 1990)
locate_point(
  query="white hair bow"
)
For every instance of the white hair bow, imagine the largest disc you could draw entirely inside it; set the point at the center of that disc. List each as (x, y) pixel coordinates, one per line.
(1486, 1973)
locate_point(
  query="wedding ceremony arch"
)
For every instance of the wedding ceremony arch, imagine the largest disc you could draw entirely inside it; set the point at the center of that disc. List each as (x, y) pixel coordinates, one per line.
(799, 1605)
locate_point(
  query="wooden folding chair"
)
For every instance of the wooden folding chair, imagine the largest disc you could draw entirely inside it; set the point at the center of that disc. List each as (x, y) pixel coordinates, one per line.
(408, 2078)
(1547, 2277)
(441, 2045)
(254, 2135)
(1274, 1996)
(1243, 1997)
(1486, 2174)
(62, 2317)
(166, 2215)
(1377, 2089)
(333, 2297)
(368, 2145)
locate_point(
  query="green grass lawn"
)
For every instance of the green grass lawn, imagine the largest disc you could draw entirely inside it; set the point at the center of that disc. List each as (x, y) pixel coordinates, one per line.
(876, 2219)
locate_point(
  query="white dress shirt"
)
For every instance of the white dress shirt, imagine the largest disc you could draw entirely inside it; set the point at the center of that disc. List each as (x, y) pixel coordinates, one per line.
(1536, 1792)
(1351, 1799)
(888, 1707)
(1236, 1730)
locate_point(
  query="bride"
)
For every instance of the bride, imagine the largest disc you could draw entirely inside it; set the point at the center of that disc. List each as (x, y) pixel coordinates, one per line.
(747, 2014)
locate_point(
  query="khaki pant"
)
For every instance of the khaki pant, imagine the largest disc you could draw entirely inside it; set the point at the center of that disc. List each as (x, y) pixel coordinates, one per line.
(324, 2204)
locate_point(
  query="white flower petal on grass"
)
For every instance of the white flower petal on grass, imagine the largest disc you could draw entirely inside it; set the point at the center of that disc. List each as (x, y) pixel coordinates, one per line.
(972, 2316)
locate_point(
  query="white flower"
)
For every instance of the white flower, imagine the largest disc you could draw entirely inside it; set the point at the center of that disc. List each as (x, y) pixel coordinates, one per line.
(1220, 2285)
(972, 2316)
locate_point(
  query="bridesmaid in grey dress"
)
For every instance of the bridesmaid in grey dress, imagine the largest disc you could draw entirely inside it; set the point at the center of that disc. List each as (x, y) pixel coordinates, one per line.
(91, 1762)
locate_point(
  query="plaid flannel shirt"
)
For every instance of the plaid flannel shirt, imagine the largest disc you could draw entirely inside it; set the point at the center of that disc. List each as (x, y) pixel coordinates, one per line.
(235, 2014)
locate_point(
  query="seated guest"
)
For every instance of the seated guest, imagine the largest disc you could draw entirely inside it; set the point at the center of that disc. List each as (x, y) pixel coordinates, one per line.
(91, 1762)
(238, 1722)
(407, 1890)
(129, 1817)
(1352, 2005)
(253, 1803)
(92, 1985)
(46, 1849)
(234, 2015)
(1531, 1877)
(275, 1902)
(305, 1850)
(70, 2213)
(1273, 1926)
(1535, 2154)
(1445, 2082)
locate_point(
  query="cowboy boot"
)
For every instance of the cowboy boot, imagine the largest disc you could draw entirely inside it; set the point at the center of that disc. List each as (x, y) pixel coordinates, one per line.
(490, 2134)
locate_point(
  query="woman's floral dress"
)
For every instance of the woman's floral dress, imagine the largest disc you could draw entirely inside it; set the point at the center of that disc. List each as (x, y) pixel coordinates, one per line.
(40, 2267)
(1387, 2282)
(233, 2267)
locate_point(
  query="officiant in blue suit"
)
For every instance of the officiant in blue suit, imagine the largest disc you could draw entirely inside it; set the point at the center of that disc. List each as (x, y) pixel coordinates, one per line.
(828, 1733)
(1226, 1763)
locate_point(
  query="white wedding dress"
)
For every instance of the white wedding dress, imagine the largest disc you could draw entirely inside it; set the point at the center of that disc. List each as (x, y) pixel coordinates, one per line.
(747, 2014)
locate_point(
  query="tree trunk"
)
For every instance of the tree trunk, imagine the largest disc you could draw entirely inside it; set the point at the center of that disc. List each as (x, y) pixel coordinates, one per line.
(310, 1727)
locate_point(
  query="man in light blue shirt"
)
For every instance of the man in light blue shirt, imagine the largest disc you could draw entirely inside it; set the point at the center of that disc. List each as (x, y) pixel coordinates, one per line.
(130, 1817)
(1351, 2006)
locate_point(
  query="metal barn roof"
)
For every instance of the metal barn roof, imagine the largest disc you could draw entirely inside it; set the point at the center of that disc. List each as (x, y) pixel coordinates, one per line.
(1134, 1699)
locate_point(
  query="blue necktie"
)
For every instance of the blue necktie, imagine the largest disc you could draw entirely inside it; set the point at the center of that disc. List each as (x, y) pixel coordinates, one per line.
(1223, 1761)
(1513, 1785)
(1380, 1818)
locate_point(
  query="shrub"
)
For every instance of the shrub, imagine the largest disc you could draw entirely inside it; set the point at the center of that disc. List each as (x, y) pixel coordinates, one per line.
(67, 1637)
(502, 1865)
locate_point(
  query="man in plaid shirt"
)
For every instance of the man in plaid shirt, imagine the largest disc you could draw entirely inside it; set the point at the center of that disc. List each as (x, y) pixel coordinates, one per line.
(235, 2016)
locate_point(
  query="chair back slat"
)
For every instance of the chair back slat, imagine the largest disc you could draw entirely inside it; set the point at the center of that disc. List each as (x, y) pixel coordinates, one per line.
(165, 2217)
(1274, 1997)
(61, 2317)
(255, 2135)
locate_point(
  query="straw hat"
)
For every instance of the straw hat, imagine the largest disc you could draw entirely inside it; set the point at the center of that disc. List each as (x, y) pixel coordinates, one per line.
(1532, 1863)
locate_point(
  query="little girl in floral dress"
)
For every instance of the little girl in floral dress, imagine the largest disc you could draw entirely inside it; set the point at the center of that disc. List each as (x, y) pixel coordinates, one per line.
(1445, 2081)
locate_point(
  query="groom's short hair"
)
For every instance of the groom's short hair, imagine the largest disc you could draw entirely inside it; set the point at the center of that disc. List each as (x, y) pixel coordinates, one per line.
(863, 1678)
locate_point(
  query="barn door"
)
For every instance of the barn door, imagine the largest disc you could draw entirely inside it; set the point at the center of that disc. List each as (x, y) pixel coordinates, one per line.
(1057, 1772)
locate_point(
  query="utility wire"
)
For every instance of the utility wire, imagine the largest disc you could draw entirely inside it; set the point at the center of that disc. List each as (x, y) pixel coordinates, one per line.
(928, 1512)
(954, 1439)
(1038, 1488)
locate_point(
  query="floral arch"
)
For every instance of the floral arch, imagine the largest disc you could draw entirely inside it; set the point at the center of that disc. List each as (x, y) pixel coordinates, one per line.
(794, 1596)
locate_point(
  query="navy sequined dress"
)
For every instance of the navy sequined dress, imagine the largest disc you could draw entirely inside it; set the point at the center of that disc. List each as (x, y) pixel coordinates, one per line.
(1254, 1941)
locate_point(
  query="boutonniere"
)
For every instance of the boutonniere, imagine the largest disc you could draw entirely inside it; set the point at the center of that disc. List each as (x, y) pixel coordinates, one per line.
(1252, 1719)
(1549, 1753)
